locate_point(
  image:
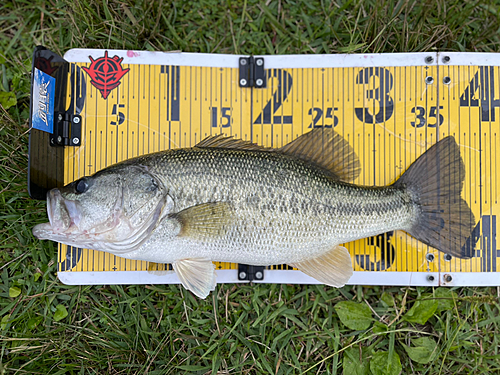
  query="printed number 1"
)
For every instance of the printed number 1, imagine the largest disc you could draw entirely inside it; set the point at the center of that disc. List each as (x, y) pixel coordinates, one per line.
(225, 117)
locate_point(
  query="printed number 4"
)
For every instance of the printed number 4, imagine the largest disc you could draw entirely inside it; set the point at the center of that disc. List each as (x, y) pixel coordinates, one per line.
(483, 85)
(422, 121)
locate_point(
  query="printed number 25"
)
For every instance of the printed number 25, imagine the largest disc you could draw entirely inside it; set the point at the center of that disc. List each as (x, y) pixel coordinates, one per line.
(422, 120)
(319, 113)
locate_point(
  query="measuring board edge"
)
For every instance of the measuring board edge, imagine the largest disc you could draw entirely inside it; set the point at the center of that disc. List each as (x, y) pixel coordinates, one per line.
(271, 61)
(289, 277)
(293, 61)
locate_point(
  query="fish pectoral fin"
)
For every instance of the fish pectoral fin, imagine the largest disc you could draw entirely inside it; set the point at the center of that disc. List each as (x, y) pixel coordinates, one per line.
(158, 269)
(333, 268)
(329, 150)
(196, 275)
(205, 221)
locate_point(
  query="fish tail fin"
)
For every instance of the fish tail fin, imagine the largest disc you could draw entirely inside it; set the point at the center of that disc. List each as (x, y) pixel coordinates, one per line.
(435, 182)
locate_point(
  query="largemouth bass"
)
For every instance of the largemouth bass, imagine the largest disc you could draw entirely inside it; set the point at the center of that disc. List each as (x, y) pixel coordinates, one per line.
(234, 201)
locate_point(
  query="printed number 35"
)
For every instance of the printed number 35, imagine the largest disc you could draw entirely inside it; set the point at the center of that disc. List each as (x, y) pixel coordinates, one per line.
(422, 120)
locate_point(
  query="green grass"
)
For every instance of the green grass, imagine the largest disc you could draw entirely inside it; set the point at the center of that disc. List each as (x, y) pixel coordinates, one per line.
(278, 329)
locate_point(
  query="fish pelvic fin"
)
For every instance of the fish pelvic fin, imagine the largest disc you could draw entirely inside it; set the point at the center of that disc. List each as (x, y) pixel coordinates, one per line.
(326, 148)
(435, 182)
(333, 268)
(206, 221)
(196, 275)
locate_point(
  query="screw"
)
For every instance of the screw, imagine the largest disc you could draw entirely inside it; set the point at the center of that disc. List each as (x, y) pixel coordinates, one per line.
(446, 59)
(429, 59)
(243, 61)
(259, 82)
(447, 257)
(258, 275)
(448, 278)
(76, 120)
(429, 80)
(59, 139)
(59, 117)
(429, 257)
(242, 276)
(259, 62)
(243, 82)
(430, 278)
(76, 141)
(446, 80)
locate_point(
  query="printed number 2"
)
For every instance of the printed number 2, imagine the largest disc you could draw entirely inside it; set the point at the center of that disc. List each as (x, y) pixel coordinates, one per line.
(422, 121)
(225, 117)
(271, 113)
(319, 114)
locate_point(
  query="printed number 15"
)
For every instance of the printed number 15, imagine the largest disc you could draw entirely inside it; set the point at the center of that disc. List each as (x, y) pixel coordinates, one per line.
(225, 121)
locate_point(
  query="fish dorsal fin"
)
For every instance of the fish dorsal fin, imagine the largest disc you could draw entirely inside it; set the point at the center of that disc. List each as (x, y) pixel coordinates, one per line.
(333, 268)
(221, 141)
(205, 221)
(321, 146)
(328, 149)
(196, 275)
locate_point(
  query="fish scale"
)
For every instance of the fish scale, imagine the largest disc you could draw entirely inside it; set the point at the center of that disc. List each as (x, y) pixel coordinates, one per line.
(298, 214)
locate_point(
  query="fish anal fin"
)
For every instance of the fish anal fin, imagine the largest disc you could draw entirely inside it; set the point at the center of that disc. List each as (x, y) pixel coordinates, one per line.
(196, 275)
(206, 221)
(221, 141)
(333, 268)
(328, 149)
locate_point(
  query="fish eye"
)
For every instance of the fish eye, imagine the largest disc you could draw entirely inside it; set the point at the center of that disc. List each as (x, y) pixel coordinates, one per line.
(81, 186)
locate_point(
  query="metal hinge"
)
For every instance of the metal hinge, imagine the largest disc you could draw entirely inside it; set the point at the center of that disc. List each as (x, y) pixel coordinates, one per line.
(67, 130)
(249, 273)
(252, 72)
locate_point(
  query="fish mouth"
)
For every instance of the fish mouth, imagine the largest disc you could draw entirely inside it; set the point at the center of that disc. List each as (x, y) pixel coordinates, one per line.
(63, 213)
(116, 235)
(64, 216)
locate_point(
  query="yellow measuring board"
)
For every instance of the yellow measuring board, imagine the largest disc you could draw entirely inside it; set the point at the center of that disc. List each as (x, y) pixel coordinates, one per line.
(391, 108)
